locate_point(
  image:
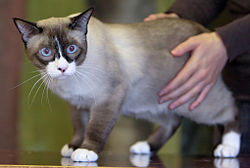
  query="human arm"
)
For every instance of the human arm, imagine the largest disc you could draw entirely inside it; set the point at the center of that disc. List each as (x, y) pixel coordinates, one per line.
(234, 38)
(200, 11)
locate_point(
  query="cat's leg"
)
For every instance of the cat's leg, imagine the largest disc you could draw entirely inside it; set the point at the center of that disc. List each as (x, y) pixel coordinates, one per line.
(230, 145)
(158, 138)
(103, 117)
(80, 118)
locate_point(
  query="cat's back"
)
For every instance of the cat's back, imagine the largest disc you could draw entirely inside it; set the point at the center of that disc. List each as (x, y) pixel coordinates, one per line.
(145, 47)
(162, 33)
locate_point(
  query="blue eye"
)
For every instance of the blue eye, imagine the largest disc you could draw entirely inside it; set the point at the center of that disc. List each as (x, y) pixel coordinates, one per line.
(46, 52)
(72, 49)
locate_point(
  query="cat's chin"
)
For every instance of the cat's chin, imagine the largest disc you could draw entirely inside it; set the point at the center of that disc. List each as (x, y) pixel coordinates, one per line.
(61, 77)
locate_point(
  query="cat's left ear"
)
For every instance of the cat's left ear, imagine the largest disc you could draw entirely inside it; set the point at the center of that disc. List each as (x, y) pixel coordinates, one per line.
(26, 29)
(81, 21)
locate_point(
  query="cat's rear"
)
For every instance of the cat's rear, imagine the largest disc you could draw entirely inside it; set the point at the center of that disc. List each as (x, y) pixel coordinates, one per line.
(148, 66)
(155, 67)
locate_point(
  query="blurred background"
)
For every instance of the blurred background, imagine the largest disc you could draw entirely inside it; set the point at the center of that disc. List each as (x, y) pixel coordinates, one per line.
(32, 118)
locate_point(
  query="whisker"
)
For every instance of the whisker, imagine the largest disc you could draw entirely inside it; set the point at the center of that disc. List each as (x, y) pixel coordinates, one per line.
(93, 67)
(50, 83)
(86, 79)
(91, 74)
(45, 85)
(27, 80)
(37, 70)
(35, 85)
(34, 97)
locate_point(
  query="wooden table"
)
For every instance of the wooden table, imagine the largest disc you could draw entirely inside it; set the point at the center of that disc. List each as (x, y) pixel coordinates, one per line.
(47, 159)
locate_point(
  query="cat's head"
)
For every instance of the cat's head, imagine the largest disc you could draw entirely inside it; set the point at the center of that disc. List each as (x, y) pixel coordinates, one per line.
(56, 45)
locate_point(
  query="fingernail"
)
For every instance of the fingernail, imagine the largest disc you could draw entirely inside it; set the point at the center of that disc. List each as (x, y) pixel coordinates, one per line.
(174, 52)
(172, 106)
(161, 93)
(162, 100)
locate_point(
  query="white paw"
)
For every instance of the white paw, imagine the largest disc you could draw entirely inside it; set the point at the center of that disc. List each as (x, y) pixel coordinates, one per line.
(66, 151)
(84, 155)
(224, 150)
(140, 160)
(226, 163)
(141, 147)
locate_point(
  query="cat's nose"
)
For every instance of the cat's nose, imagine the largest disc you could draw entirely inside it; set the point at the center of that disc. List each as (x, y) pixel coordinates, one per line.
(62, 69)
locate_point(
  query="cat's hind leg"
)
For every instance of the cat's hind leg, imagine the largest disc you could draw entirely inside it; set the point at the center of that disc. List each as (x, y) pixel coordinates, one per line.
(230, 145)
(80, 120)
(159, 137)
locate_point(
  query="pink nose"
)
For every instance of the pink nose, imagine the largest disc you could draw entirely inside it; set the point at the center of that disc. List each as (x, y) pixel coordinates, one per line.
(62, 69)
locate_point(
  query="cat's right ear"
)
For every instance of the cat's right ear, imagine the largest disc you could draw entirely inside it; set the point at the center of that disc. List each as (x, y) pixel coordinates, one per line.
(26, 29)
(80, 22)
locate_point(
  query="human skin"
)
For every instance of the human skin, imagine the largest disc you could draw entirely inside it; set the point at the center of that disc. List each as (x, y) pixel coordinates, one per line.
(201, 71)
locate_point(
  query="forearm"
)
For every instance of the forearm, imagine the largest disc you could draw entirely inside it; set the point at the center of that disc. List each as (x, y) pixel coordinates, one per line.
(236, 36)
(202, 11)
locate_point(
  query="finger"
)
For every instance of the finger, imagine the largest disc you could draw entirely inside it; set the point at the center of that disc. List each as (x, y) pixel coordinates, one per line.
(164, 99)
(151, 17)
(187, 96)
(201, 97)
(186, 72)
(155, 16)
(185, 47)
(163, 15)
(191, 83)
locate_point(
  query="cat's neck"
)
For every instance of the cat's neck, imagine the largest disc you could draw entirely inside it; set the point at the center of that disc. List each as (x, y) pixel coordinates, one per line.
(102, 50)
(110, 47)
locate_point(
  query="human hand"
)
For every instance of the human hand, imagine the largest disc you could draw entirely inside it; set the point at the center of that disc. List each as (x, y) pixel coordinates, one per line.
(160, 16)
(200, 73)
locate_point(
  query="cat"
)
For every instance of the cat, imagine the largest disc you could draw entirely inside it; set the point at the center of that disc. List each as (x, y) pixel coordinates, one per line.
(107, 70)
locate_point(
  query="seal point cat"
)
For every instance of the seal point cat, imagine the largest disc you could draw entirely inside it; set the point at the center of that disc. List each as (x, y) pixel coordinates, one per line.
(106, 70)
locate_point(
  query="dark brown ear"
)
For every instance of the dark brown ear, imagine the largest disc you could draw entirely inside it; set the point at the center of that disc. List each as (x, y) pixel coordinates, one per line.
(26, 29)
(81, 21)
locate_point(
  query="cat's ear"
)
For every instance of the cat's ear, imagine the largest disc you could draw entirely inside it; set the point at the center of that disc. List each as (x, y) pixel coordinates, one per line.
(26, 29)
(81, 21)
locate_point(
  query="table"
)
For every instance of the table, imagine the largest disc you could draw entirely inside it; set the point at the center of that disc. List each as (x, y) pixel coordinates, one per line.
(52, 159)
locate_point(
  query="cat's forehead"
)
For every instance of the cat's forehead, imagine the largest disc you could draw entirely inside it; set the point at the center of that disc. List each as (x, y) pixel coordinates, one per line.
(54, 22)
(55, 28)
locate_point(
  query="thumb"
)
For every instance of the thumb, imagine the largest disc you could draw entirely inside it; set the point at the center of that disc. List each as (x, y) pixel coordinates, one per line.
(184, 47)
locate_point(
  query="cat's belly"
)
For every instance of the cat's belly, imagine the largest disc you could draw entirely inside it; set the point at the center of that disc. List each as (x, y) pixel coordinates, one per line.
(141, 102)
(218, 107)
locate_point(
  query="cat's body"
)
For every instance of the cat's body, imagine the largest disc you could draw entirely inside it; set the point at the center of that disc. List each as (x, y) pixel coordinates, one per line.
(143, 73)
(119, 70)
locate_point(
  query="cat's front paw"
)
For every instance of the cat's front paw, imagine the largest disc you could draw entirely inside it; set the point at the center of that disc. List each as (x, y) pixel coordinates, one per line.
(141, 147)
(224, 150)
(84, 155)
(66, 151)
